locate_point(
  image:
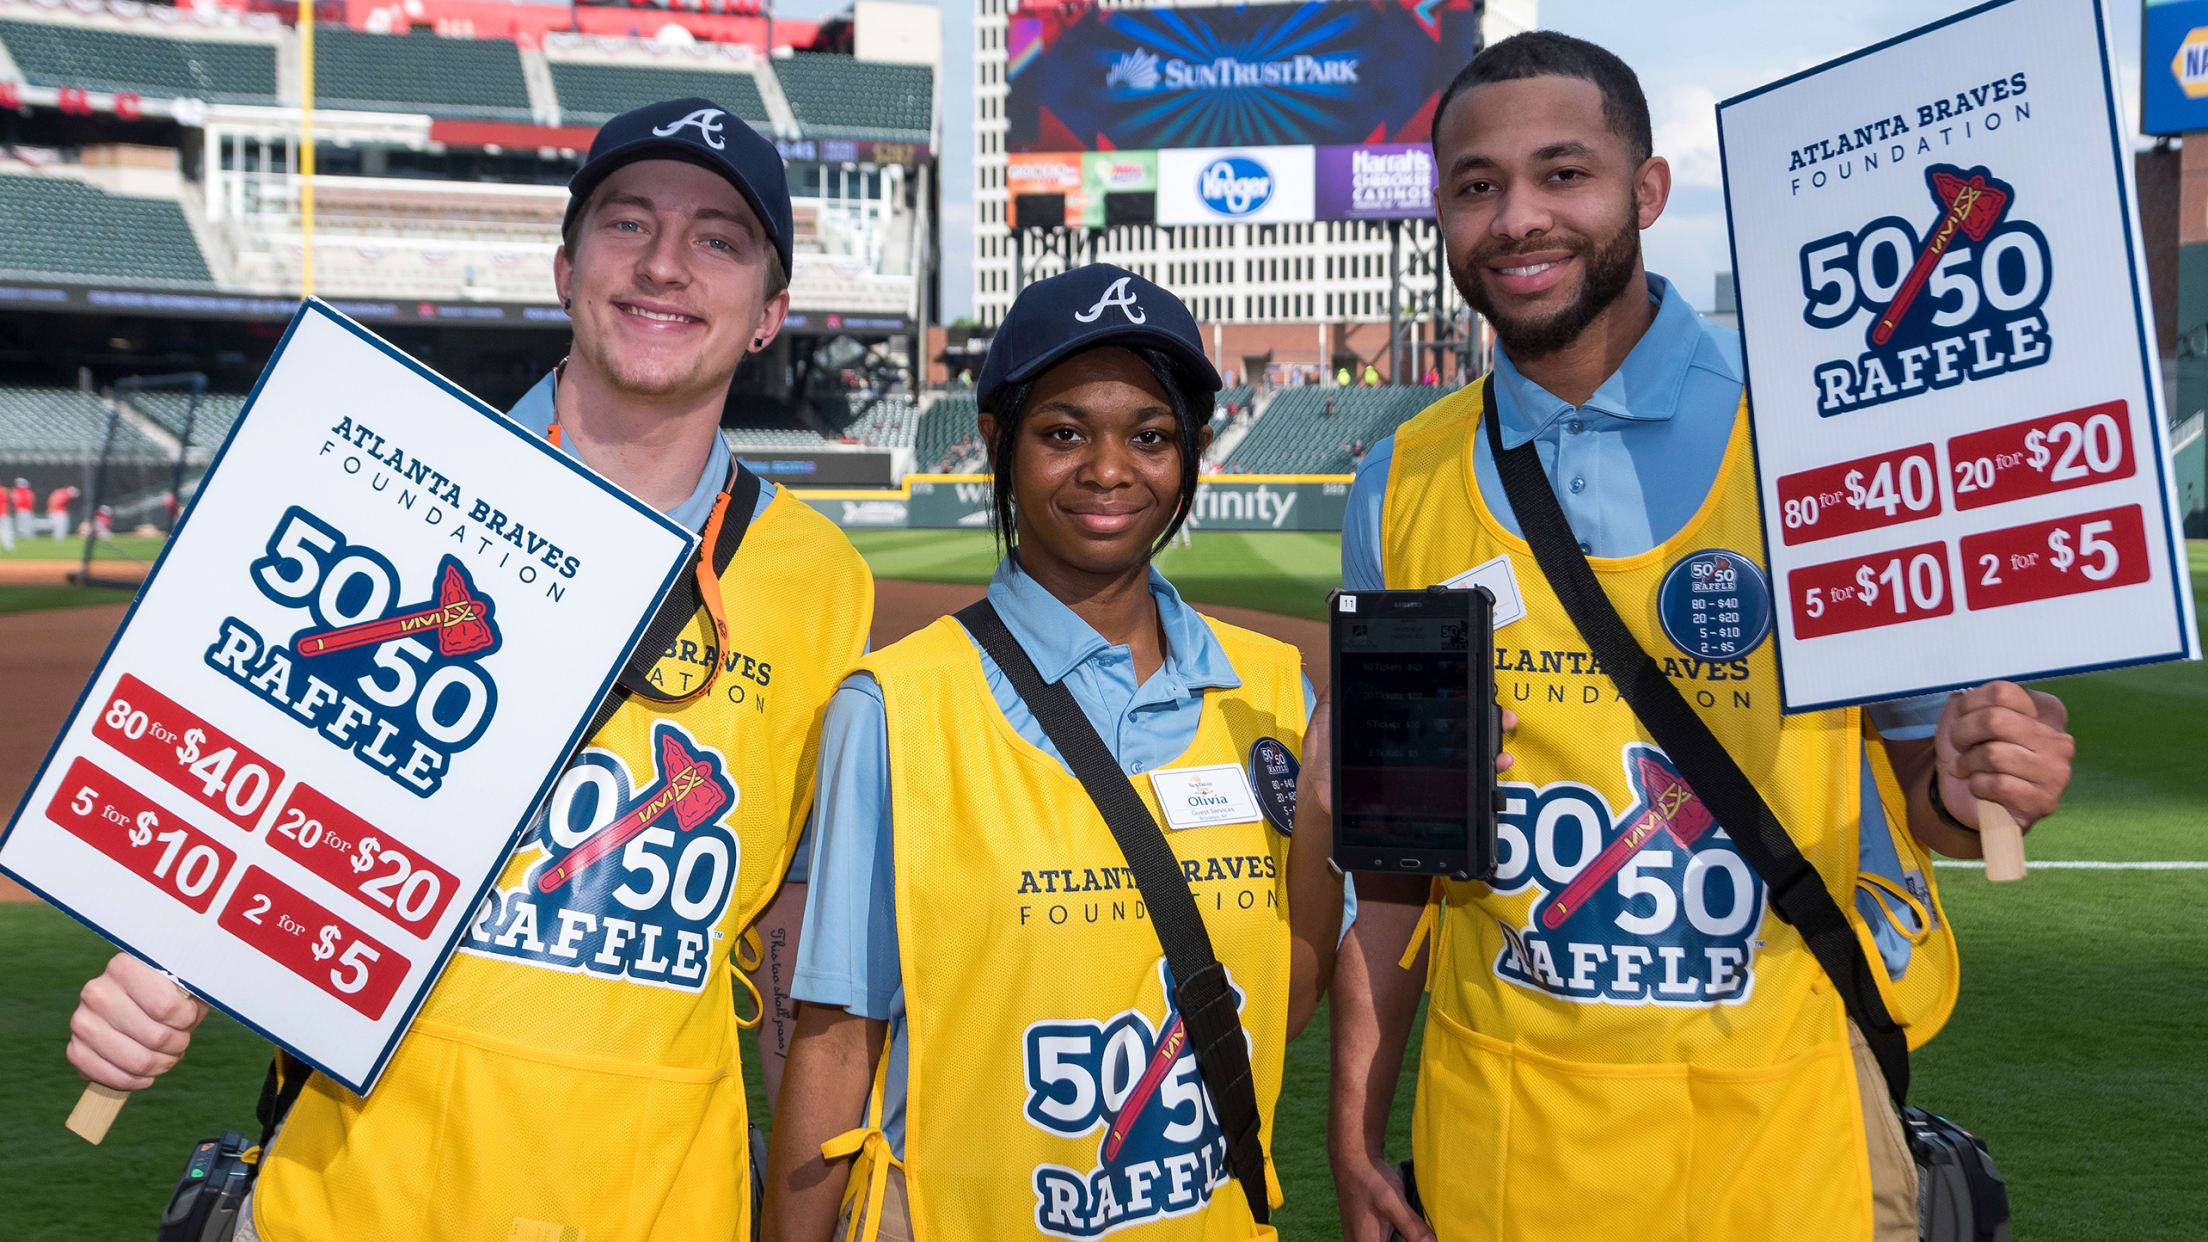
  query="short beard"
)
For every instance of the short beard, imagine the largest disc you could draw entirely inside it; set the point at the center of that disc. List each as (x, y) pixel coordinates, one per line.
(1609, 271)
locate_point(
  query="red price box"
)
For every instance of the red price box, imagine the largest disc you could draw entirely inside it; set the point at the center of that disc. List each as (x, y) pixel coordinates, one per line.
(157, 846)
(1882, 490)
(313, 943)
(187, 752)
(346, 850)
(2076, 448)
(2067, 556)
(1864, 592)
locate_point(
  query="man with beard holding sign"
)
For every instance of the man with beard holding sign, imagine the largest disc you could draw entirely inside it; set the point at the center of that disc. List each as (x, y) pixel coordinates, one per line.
(1624, 1040)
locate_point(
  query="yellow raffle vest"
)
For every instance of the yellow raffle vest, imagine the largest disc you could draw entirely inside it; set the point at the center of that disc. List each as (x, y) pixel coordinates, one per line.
(1034, 983)
(1656, 1055)
(575, 1075)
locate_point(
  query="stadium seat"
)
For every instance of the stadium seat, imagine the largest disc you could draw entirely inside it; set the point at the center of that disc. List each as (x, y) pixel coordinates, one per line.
(44, 425)
(755, 438)
(210, 422)
(838, 97)
(1296, 437)
(54, 227)
(472, 78)
(111, 60)
(948, 421)
(890, 421)
(590, 93)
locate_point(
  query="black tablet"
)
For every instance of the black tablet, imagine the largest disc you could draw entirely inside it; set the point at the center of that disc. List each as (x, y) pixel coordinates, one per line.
(1416, 731)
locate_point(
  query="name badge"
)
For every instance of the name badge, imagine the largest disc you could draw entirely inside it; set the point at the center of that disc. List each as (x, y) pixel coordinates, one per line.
(1501, 582)
(1197, 797)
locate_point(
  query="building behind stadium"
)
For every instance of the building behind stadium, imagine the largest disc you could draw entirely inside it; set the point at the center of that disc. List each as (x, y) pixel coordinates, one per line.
(1290, 292)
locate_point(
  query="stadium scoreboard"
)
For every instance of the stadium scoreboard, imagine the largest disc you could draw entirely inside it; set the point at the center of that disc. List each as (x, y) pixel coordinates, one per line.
(1263, 113)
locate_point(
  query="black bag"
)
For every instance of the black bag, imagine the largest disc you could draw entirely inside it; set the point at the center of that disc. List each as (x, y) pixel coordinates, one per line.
(1960, 1197)
(208, 1202)
(1200, 988)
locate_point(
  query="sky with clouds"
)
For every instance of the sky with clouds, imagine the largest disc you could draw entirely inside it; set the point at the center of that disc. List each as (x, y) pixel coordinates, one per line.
(1689, 54)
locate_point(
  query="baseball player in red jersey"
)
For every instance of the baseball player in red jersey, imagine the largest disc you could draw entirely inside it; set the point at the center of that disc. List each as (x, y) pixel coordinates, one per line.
(57, 510)
(25, 502)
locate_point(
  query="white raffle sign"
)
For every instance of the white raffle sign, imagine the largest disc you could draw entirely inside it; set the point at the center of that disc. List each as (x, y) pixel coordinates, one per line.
(355, 670)
(1958, 414)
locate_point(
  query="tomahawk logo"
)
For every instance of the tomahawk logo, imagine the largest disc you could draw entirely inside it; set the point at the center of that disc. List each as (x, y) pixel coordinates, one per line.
(399, 685)
(1160, 1153)
(1119, 295)
(1962, 304)
(631, 882)
(708, 121)
(1651, 905)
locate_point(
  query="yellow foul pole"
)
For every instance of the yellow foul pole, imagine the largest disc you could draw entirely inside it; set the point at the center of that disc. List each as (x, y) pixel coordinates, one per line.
(306, 147)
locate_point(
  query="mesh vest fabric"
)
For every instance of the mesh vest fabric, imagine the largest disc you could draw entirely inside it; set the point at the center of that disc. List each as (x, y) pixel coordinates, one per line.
(576, 1073)
(1035, 988)
(1655, 1053)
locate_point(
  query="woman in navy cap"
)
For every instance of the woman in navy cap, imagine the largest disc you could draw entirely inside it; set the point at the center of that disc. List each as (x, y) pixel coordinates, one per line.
(987, 996)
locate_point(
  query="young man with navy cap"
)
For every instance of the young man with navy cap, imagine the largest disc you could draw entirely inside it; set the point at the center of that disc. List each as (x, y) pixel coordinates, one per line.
(988, 1046)
(576, 1072)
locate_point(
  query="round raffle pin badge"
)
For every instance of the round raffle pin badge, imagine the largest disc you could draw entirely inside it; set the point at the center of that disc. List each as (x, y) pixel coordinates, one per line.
(1715, 605)
(1273, 775)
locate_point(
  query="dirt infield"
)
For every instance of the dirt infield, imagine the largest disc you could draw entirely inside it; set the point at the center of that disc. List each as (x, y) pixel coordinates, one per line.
(45, 658)
(56, 572)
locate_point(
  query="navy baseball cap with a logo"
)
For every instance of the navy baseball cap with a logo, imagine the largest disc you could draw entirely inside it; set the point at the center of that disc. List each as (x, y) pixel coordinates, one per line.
(1101, 304)
(696, 131)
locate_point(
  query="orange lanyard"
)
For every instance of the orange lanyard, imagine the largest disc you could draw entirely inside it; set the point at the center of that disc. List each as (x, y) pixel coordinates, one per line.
(709, 594)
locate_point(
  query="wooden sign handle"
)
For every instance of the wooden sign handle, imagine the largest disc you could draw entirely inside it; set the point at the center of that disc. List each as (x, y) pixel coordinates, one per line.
(2002, 840)
(95, 1111)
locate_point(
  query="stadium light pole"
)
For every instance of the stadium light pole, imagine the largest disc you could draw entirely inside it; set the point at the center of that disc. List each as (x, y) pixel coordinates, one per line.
(305, 165)
(1395, 301)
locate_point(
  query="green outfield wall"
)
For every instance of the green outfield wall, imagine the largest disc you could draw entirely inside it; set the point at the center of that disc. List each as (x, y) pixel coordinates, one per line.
(1309, 502)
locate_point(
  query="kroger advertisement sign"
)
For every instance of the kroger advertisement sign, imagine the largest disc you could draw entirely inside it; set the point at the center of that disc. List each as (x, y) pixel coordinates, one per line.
(1236, 185)
(1084, 78)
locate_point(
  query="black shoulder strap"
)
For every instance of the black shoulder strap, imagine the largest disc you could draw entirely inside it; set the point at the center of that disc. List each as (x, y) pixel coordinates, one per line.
(1200, 989)
(681, 604)
(287, 1077)
(1797, 892)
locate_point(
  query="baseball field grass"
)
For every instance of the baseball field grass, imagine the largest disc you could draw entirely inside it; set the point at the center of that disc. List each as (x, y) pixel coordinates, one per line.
(2075, 1051)
(1288, 572)
(41, 547)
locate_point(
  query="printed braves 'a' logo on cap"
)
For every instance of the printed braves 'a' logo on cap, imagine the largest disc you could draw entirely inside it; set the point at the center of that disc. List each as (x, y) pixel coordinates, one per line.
(1119, 295)
(708, 121)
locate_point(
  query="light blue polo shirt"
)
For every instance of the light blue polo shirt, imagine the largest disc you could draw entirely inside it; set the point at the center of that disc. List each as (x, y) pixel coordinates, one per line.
(1629, 468)
(847, 952)
(535, 413)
